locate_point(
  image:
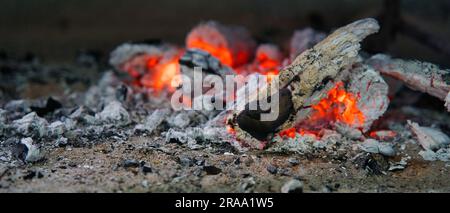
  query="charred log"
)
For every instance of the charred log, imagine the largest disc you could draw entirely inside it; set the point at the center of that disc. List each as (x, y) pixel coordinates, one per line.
(310, 71)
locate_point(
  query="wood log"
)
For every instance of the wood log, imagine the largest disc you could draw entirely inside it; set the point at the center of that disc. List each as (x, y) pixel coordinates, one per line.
(307, 74)
(420, 76)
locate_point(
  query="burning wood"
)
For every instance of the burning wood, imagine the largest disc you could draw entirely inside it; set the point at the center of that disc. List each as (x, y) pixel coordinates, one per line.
(308, 78)
(233, 46)
(329, 101)
(421, 76)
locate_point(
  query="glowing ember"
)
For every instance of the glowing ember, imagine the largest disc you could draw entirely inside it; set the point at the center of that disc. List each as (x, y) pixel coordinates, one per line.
(383, 135)
(338, 106)
(219, 51)
(230, 130)
(267, 64)
(291, 132)
(160, 74)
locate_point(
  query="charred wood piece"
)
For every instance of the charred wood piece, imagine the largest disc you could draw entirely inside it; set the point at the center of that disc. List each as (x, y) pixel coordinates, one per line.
(308, 74)
(421, 76)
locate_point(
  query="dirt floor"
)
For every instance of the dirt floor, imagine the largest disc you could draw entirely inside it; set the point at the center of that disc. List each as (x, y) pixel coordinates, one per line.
(139, 165)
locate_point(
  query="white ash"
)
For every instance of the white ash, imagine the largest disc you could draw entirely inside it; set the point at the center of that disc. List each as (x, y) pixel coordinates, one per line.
(31, 125)
(127, 51)
(189, 118)
(2, 121)
(200, 135)
(348, 132)
(152, 121)
(395, 166)
(56, 128)
(301, 144)
(105, 91)
(292, 186)
(70, 124)
(62, 141)
(17, 108)
(374, 146)
(419, 76)
(429, 138)
(114, 113)
(372, 90)
(180, 120)
(2, 116)
(174, 136)
(84, 115)
(447, 102)
(442, 154)
(428, 155)
(31, 152)
(308, 143)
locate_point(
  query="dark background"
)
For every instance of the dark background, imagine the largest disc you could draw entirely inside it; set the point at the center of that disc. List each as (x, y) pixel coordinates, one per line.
(56, 29)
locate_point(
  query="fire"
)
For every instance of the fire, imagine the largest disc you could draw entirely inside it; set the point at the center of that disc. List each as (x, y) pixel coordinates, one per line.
(338, 106)
(219, 51)
(267, 64)
(230, 130)
(292, 132)
(160, 74)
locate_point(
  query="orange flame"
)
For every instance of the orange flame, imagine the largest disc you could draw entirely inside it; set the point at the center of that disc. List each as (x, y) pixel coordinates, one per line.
(338, 106)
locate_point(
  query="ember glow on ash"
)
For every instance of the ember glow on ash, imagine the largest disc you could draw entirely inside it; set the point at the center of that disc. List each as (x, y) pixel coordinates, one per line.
(339, 106)
(219, 51)
(267, 64)
(160, 75)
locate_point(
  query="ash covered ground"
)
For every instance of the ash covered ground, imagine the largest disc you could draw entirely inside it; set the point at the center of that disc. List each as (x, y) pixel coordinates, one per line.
(79, 128)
